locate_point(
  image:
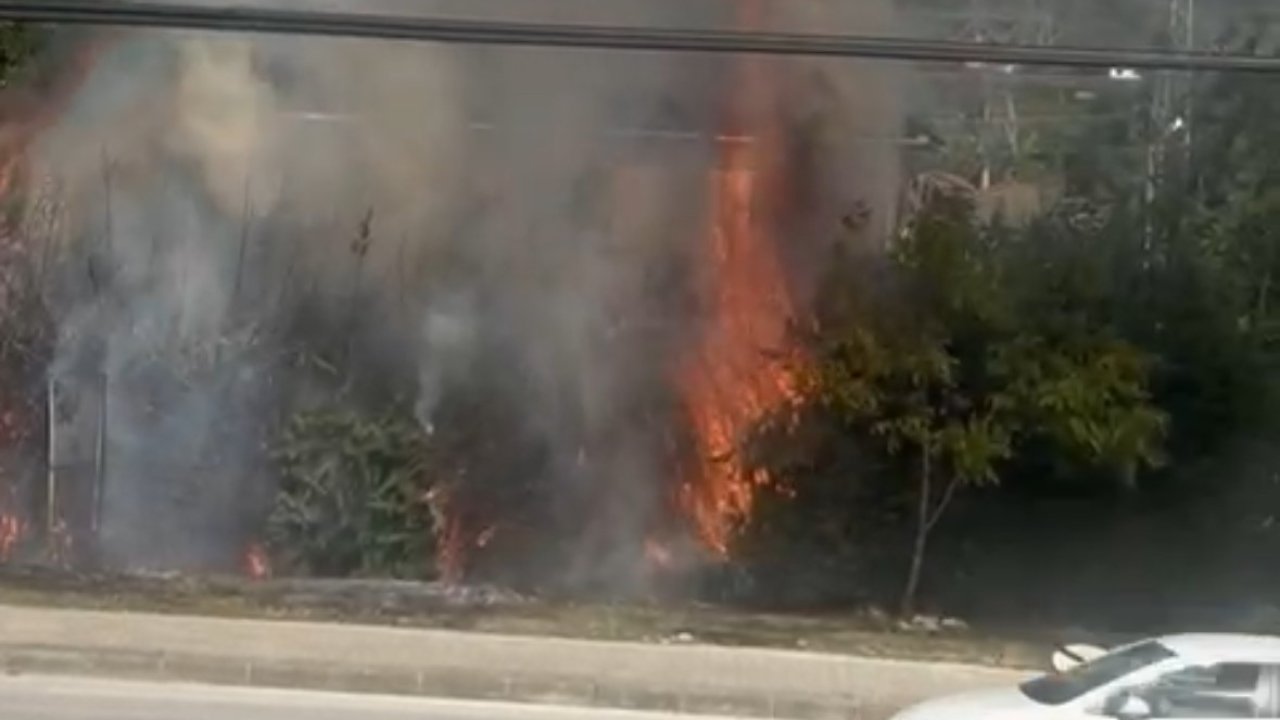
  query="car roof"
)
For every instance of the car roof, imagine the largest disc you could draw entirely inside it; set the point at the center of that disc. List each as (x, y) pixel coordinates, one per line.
(1224, 647)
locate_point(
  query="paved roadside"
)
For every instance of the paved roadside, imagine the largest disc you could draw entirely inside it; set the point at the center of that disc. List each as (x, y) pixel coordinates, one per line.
(46, 697)
(441, 663)
(39, 697)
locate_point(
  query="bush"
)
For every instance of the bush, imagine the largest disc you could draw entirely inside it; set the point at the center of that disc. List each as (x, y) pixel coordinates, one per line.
(353, 496)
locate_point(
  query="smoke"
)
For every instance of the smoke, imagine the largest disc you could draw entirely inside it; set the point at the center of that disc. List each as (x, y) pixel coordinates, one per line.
(182, 166)
(515, 225)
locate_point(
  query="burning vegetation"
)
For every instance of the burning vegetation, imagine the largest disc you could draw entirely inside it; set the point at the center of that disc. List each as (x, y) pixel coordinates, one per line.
(268, 240)
(357, 309)
(733, 378)
(36, 89)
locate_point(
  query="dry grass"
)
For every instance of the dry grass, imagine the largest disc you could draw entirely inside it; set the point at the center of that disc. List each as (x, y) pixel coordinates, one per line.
(429, 606)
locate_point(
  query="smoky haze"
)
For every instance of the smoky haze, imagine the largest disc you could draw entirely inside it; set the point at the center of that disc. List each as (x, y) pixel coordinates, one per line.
(250, 226)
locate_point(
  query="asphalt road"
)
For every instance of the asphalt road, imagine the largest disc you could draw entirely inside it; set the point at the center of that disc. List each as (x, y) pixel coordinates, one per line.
(34, 697)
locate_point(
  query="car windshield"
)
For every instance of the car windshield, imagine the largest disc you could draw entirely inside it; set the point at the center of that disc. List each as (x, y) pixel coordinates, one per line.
(1059, 688)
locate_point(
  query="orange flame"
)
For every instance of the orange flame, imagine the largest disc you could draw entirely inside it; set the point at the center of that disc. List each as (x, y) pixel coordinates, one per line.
(257, 564)
(729, 381)
(12, 530)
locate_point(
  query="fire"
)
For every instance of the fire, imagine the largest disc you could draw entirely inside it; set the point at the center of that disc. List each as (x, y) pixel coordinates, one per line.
(257, 565)
(451, 544)
(12, 530)
(730, 379)
(451, 552)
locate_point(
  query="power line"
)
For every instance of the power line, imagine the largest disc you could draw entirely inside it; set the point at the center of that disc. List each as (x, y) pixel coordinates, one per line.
(306, 22)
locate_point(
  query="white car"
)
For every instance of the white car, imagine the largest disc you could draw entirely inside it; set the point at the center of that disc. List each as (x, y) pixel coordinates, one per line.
(1178, 676)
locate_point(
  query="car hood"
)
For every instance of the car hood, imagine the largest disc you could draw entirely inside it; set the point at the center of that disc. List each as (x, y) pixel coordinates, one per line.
(975, 705)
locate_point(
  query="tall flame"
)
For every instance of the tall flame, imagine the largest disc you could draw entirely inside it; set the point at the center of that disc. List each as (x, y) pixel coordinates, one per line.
(730, 379)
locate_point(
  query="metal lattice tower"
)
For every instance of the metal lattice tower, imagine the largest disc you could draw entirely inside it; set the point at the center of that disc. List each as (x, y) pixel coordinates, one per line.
(1173, 90)
(1170, 112)
(991, 21)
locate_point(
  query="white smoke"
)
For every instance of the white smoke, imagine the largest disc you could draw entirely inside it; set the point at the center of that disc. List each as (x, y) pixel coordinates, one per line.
(515, 220)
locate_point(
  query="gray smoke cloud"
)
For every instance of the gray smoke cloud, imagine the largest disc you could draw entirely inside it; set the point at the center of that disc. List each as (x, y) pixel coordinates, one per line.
(520, 223)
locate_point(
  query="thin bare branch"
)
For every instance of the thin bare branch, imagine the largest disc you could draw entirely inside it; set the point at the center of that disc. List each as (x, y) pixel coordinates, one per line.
(947, 496)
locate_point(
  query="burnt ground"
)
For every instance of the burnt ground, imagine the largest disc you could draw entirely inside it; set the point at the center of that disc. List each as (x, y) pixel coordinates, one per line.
(491, 610)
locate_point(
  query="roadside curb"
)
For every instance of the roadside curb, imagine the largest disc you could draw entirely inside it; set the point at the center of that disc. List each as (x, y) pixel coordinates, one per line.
(686, 678)
(460, 684)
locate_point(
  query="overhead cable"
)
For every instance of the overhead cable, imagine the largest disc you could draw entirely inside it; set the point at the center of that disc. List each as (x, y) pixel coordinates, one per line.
(485, 32)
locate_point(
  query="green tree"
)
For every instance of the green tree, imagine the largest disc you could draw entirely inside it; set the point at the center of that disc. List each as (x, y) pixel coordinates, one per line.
(947, 377)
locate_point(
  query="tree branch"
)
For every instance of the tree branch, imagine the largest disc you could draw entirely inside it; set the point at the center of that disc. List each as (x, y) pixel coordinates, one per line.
(947, 496)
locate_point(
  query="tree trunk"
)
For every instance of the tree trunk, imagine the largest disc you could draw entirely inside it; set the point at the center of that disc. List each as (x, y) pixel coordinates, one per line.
(923, 522)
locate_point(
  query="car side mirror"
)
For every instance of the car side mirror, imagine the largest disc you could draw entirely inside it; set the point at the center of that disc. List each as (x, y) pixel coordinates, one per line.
(1130, 706)
(1068, 657)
